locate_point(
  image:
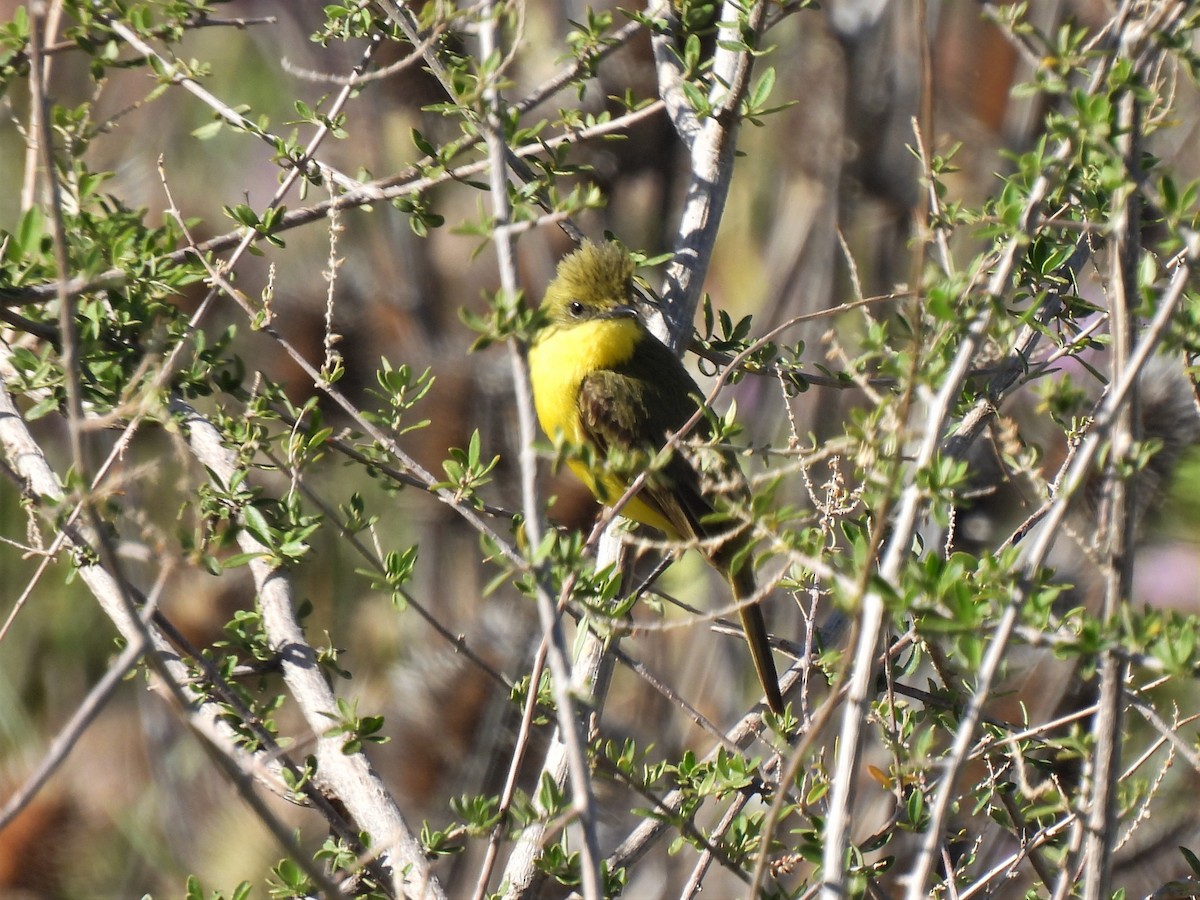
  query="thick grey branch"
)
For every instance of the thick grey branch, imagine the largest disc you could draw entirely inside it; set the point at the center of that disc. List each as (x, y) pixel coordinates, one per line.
(349, 778)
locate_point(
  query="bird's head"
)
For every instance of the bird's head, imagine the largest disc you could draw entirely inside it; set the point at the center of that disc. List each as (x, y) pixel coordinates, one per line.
(594, 282)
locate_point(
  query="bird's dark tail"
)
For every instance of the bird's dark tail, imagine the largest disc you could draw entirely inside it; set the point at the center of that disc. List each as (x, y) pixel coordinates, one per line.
(755, 626)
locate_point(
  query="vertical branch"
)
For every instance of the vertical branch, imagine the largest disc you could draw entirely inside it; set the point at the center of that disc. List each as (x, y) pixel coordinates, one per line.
(68, 329)
(711, 143)
(669, 70)
(43, 27)
(1117, 515)
(568, 749)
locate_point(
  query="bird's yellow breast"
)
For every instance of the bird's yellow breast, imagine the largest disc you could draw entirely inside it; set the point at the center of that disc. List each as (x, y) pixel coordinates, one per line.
(562, 356)
(559, 360)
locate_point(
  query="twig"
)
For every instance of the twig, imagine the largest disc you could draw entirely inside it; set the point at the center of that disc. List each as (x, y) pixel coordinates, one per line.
(191, 23)
(65, 741)
(456, 641)
(1169, 734)
(417, 54)
(178, 75)
(639, 841)
(695, 882)
(43, 27)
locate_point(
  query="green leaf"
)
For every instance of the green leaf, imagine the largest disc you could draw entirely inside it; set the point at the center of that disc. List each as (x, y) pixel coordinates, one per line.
(30, 231)
(762, 88)
(1191, 859)
(422, 144)
(255, 523)
(209, 131)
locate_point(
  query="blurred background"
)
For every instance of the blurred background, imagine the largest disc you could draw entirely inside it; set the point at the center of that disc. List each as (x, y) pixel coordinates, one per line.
(829, 179)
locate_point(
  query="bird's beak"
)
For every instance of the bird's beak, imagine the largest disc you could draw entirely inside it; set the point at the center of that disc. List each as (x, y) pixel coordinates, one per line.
(621, 312)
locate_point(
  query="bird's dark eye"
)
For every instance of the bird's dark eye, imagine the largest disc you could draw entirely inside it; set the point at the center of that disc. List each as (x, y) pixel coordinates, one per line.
(575, 307)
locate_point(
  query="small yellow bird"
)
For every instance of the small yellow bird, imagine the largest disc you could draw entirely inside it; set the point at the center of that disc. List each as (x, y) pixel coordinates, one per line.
(600, 378)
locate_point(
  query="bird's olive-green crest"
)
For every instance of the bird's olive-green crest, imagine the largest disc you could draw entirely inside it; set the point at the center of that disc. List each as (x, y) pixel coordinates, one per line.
(593, 282)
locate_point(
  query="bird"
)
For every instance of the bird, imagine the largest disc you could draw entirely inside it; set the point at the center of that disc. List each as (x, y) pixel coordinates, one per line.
(602, 380)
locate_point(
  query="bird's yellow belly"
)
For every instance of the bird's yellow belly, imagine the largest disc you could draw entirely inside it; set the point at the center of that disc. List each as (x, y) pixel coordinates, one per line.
(609, 488)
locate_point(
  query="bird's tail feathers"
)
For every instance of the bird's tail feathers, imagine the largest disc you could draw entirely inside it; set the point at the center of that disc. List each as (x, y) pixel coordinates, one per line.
(741, 579)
